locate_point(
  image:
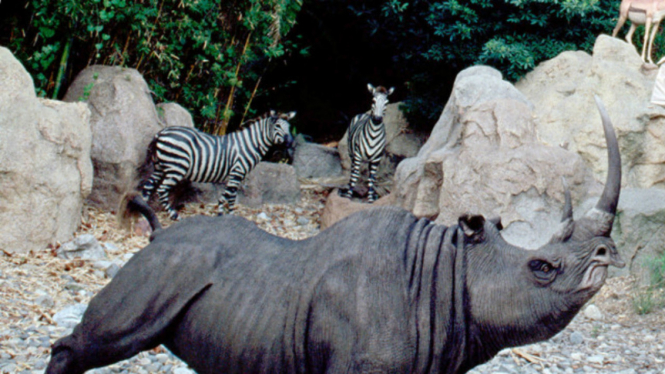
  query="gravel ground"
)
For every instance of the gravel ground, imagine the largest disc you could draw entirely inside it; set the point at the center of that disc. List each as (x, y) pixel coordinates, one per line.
(607, 337)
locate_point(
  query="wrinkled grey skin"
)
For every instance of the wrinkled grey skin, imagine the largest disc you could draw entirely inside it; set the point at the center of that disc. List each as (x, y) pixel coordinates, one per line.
(380, 291)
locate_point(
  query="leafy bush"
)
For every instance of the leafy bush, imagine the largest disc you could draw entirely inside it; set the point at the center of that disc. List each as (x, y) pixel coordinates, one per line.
(651, 296)
(432, 38)
(208, 55)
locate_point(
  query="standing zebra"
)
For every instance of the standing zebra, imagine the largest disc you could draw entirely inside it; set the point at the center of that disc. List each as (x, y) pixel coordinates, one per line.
(367, 140)
(186, 154)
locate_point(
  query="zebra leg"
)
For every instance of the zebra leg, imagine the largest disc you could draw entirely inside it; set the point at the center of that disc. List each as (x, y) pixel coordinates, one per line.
(372, 195)
(355, 176)
(164, 191)
(148, 187)
(227, 201)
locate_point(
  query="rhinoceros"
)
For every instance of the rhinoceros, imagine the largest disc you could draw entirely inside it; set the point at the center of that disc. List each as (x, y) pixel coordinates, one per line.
(379, 292)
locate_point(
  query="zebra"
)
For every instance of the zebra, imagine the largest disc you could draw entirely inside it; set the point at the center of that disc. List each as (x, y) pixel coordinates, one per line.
(186, 154)
(367, 140)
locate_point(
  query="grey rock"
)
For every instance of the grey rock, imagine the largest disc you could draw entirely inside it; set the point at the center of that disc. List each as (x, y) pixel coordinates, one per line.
(316, 161)
(486, 146)
(46, 172)
(183, 370)
(110, 247)
(85, 247)
(576, 338)
(45, 301)
(123, 121)
(70, 316)
(112, 270)
(593, 312)
(271, 183)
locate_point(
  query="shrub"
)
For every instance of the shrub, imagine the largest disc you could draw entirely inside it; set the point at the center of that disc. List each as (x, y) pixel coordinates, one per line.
(208, 55)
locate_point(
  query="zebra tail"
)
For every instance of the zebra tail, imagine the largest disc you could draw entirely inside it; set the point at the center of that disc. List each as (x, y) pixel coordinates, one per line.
(131, 205)
(144, 171)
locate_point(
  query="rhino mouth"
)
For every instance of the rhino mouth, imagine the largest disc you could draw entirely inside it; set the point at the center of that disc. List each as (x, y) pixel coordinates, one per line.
(595, 276)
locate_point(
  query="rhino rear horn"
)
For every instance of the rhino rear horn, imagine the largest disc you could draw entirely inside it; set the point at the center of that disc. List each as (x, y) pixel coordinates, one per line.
(473, 226)
(599, 220)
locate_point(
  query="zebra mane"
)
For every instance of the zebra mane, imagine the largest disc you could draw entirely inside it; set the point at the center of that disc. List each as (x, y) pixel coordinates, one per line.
(381, 89)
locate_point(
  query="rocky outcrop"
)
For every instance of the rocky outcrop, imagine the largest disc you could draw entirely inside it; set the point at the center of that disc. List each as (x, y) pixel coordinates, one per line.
(45, 168)
(484, 157)
(123, 121)
(562, 90)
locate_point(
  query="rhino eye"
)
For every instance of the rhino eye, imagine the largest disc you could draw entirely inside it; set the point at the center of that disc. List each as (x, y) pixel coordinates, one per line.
(543, 270)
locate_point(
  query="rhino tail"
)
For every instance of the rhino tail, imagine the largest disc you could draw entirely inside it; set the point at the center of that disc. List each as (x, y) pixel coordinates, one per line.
(131, 206)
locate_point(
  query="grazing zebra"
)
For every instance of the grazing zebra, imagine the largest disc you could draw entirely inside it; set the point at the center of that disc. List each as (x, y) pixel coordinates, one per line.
(186, 154)
(367, 140)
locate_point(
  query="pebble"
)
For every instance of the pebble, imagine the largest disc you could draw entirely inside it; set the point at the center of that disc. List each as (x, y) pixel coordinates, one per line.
(592, 312)
(576, 338)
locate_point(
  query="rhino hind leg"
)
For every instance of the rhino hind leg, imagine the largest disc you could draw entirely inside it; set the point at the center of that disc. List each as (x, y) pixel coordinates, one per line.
(109, 334)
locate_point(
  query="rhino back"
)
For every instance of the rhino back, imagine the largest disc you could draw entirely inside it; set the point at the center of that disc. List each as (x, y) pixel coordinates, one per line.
(273, 302)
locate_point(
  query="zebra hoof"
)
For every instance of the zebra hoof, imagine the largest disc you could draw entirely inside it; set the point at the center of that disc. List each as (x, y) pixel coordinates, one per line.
(347, 194)
(174, 217)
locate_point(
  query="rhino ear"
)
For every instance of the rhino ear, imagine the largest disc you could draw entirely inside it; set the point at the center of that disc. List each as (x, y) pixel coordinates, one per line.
(496, 221)
(473, 226)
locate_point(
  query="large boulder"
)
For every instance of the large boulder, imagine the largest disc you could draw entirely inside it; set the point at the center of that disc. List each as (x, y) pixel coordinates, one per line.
(484, 157)
(401, 143)
(314, 161)
(173, 114)
(45, 172)
(123, 122)
(562, 91)
(270, 182)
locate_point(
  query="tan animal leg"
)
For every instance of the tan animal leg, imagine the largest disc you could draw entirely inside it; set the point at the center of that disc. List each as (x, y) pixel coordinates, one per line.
(620, 22)
(647, 26)
(629, 36)
(651, 39)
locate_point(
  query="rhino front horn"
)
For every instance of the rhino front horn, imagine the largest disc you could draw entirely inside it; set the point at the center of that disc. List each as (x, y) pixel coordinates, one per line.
(598, 221)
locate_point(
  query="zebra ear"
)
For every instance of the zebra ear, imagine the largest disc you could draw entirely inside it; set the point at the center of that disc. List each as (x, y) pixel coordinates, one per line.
(391, 90)
(272, 113)
(290, 115)
(370, 88)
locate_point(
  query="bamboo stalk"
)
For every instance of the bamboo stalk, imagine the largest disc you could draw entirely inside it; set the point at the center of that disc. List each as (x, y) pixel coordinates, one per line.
(62, 68)
(221, 128)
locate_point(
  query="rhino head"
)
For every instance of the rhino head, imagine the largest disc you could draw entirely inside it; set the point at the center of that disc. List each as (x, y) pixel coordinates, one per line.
(518, 296)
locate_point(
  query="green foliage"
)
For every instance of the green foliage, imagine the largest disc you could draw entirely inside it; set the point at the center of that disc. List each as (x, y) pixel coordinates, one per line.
(657, 272)
(432, 38)
(208, 55)
(648, 298)
(643, 302)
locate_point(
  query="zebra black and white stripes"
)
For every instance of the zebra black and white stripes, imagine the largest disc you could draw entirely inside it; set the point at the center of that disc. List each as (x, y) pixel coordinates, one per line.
(367, 140)
(184, 153)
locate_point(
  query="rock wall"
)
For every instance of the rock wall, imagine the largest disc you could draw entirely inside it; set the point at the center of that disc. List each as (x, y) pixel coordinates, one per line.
(562, 90)
(484, 157)
(45, 167)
